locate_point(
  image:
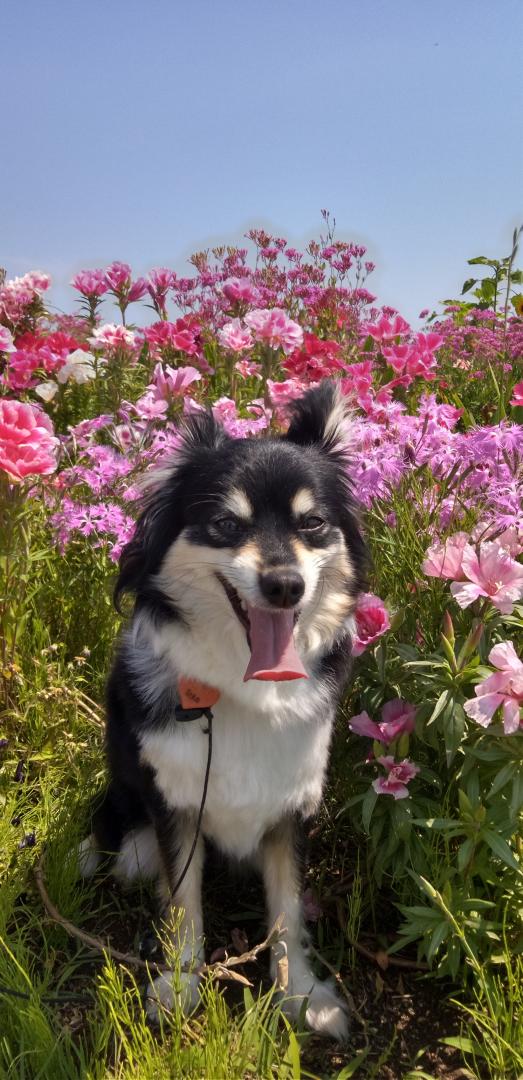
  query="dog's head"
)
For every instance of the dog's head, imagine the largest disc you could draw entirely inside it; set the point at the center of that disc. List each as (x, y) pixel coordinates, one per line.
(257, 537)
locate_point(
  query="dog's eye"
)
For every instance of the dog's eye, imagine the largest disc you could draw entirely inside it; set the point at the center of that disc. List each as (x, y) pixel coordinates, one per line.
(311, 523)
(227, 524)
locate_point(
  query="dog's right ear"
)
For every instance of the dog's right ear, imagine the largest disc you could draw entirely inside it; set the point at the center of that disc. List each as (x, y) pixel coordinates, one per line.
(161, 519)
(320, 418)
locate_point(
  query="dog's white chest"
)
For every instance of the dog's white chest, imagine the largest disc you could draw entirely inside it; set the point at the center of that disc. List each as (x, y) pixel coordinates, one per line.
(259, 772)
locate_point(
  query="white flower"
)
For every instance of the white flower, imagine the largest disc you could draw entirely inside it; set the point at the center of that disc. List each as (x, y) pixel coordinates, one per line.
(80, 367)
(46, 390)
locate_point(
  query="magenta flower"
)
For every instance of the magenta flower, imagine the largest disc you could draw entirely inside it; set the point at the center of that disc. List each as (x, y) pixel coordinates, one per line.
(517, 394)
(118, 276)
(399, 774)
(385, 329)
(444, 560)
(397, 719)
(236, 288)
(90, 283)
(27, 441)
(274, 328)
(491, 573)
(502, 689)
(234, 336)
(372, 620)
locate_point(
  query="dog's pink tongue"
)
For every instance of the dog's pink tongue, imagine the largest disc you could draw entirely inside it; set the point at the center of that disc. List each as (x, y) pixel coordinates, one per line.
(273, 653)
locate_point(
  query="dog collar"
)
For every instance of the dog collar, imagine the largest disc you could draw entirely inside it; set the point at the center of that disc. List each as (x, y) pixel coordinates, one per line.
(196, 699)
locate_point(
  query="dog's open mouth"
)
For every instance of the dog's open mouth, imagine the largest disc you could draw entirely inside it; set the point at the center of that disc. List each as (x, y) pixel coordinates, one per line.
(270, 636)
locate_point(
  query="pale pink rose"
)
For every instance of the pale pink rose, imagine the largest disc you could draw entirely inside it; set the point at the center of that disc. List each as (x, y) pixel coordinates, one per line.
(517, 394)
(273, 327)
(397, 719)
(37, 280)
(282, 393)
(112, 336)
(491, 573)
(6, 340)
(443, 560)
(399, 774)
(240, 289)
(234, 336)
(27, 441)
(90, 282)
(502, 689)
(372, 620)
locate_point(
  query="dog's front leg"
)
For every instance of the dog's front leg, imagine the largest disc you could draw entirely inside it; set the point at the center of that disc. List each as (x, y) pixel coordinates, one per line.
(283, 885)
(181, 909)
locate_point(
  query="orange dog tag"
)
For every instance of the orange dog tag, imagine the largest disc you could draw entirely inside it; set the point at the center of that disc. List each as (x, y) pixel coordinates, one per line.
(196, 695)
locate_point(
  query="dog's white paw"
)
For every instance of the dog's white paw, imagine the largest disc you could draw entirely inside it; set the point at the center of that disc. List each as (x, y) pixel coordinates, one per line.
(325, 1013)
(88, 856)
(170, 990)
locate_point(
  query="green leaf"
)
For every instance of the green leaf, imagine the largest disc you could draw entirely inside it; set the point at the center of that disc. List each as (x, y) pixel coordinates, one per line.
(480, 260)
(500, 848)
(504, 775)
(438, 937)
(441, 704)
(468, 284)
(367, 809)
(465, 851)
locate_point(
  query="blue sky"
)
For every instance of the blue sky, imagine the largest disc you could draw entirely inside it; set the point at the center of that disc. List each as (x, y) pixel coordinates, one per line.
(145, 130)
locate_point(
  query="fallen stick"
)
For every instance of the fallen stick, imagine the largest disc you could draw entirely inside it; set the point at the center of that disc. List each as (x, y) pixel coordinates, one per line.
(222, 969)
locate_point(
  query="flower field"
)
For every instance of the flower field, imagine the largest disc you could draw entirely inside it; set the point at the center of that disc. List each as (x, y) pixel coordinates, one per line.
(417, 861)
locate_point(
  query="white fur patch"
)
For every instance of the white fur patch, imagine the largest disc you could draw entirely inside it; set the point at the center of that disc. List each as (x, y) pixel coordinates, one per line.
(303, 502)
(262, 768)
(88, 856)
(337, 431)
(139, 856)
(238, 503)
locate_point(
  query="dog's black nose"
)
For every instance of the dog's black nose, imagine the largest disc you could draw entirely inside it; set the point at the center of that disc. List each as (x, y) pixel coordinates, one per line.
(282, 588)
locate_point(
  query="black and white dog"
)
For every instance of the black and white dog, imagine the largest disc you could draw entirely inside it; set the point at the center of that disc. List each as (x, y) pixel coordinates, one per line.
(246, 563)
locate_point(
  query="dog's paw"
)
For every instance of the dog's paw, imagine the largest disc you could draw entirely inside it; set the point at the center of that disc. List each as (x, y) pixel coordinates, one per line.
(171, 990)
(325, 1013)
(88, 857)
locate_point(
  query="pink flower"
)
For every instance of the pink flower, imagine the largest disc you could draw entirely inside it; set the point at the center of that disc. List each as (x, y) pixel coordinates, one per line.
(491, 573)
(236, 289)
(248, 368)
(6, 340)
(399, 774)
(517, 394)
(234, 336)
(273, 327)
(372, 620)
(118, 276)
(397, 719)
(504, 688)
(112, 336)
(386, 330)
(444, 560)
(90, 283)
(170, 382)
(281, 393)
(27, 442)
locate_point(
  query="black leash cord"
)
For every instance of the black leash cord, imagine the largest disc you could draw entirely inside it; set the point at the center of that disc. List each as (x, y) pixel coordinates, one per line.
(174, 890)
(57, 999)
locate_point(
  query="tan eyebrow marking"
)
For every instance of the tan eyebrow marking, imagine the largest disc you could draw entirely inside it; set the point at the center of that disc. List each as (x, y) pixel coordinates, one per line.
(303, 502)
(238, 503)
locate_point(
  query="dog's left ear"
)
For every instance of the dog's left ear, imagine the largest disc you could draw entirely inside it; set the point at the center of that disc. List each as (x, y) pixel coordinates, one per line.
(320, 418)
